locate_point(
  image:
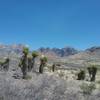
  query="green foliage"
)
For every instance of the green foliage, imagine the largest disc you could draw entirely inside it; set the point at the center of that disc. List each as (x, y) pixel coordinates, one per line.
(7, 60)
(1, 62)
(31, 61)
(87, 89)
(92, 69)
(81, 75)
(25, 50)
(44, 59)
(27, 77)
(34, 54)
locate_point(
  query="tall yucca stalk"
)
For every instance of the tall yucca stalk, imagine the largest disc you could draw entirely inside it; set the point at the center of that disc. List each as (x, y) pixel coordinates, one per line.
(29, 63)
(24, 62)
(43, 62)
(92, 69)
(34, 56)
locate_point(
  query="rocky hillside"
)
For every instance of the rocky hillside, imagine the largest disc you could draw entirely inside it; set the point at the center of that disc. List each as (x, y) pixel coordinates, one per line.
(90, 53)
(6, 50)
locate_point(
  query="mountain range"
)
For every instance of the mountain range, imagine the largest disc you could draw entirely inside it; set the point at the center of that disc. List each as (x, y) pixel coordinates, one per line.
(51, 52)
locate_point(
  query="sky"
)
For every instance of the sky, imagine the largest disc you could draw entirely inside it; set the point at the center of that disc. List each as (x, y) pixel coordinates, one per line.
(50, 23)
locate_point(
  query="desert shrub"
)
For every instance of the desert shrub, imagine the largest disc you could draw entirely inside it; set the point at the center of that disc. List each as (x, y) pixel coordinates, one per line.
(92, 70)
(98, 81)
(58, 64)
(81, 75)
(28, 77)
(5, 64)
(87, 88)
(61, 74)
(1, 98)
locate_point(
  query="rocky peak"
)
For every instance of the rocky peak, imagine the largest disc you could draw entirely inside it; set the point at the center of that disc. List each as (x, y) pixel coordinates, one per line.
(93, 49)
(59, 52)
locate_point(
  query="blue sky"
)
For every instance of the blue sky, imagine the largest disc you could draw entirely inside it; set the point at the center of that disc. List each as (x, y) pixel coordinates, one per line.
(50, 23)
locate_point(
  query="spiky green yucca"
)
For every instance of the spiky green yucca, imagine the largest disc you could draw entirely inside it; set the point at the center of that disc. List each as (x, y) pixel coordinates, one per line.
(43, 59)
(43, 62)
(34, 54)
(25, 50)
(24, 62)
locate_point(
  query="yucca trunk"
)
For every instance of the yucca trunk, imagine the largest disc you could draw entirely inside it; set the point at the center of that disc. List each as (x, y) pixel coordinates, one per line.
(41, 68)
(33, 63)
(24, 66)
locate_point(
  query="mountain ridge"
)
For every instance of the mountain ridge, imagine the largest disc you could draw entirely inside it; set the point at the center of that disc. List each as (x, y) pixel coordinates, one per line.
(53, 52)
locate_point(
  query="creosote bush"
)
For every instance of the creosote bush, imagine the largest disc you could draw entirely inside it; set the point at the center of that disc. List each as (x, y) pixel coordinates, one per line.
(87, 89)
(61, 74)
(81, 75)
(28, 77)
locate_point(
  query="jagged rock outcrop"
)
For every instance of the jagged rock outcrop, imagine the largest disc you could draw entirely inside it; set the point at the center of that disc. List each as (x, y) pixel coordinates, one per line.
(93, 49)
(67, 51)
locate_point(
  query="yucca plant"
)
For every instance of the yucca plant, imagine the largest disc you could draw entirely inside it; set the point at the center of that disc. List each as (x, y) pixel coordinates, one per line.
(29, 63)
(43, 62)
(34, 55)
(25, 51)
(92, 70)
(24, 62)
